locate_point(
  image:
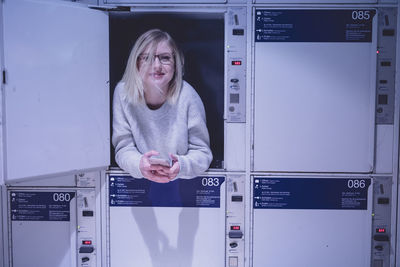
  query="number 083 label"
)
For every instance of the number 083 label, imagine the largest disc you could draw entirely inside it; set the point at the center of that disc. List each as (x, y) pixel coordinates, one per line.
(202, 192)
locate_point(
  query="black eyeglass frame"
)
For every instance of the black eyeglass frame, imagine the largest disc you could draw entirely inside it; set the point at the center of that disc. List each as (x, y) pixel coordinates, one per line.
(164, 61)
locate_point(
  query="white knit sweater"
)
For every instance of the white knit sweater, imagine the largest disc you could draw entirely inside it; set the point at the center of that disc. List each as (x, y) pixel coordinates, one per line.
(179, 129)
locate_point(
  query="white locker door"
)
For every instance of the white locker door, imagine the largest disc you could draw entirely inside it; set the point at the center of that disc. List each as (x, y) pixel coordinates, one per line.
(56, 91)
(43, 228)
(314, 100)
(179, 224)
(311, 222)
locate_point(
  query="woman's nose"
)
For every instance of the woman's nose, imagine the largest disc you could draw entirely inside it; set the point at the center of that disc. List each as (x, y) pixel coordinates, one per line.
(156, 62)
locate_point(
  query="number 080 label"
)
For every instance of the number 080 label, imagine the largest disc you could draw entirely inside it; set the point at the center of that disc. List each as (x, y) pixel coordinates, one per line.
(40, 205)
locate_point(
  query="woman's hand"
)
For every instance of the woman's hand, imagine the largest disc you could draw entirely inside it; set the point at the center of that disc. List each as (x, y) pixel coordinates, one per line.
(175, 168)
(156, 173)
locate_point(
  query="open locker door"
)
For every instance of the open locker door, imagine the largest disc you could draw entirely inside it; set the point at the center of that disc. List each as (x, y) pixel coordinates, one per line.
(57, 91)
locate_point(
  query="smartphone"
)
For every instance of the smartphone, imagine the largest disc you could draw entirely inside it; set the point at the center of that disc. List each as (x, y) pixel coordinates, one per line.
(160, 161)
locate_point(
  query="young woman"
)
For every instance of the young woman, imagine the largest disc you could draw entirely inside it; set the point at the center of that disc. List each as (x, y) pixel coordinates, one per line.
(157, 115)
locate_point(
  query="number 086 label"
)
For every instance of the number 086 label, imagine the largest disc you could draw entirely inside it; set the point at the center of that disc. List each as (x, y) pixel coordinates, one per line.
(311, 193)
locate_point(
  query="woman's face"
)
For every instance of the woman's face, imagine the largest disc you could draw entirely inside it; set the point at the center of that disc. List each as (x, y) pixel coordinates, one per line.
(157, 72)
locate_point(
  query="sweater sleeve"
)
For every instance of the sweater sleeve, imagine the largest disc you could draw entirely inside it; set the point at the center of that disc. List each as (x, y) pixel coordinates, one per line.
(126, 154)
(199, 156)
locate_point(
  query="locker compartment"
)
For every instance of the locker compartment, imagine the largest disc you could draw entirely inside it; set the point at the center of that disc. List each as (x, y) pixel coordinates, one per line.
(200, 36)
(52, 227)
(58, 88)
(314, 90)
(181, 223)
(311, 221)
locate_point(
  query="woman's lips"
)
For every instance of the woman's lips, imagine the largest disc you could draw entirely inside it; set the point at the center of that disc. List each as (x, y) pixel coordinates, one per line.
(158, 74)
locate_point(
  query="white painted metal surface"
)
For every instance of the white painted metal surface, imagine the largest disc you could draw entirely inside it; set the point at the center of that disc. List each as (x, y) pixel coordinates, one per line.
(57, 95)
(45, 243)
(314, 107)
(316, 1)
(167, 236)
(312, 237)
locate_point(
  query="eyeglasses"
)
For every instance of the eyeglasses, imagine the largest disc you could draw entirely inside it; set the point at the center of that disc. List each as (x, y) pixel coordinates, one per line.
(164, 58)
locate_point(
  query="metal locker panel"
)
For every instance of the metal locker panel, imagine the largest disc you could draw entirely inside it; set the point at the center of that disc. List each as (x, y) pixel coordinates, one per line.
(165, 236)
(235, 136)
(3, 231)
(48, 244)
(314, 100)
(56, 91)
(384, 149)
(165, 2)
(311, 222)
(317, 104)
(1, 97)
(316, 1)
(43, 228)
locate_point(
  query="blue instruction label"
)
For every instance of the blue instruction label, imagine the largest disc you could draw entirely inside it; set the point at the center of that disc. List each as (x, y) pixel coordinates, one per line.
(203, 191)
(311, 193)
(40, 206)
(314, 25)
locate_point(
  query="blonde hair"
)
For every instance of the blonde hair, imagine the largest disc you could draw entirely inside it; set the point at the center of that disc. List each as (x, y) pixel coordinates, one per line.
(133, 82)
